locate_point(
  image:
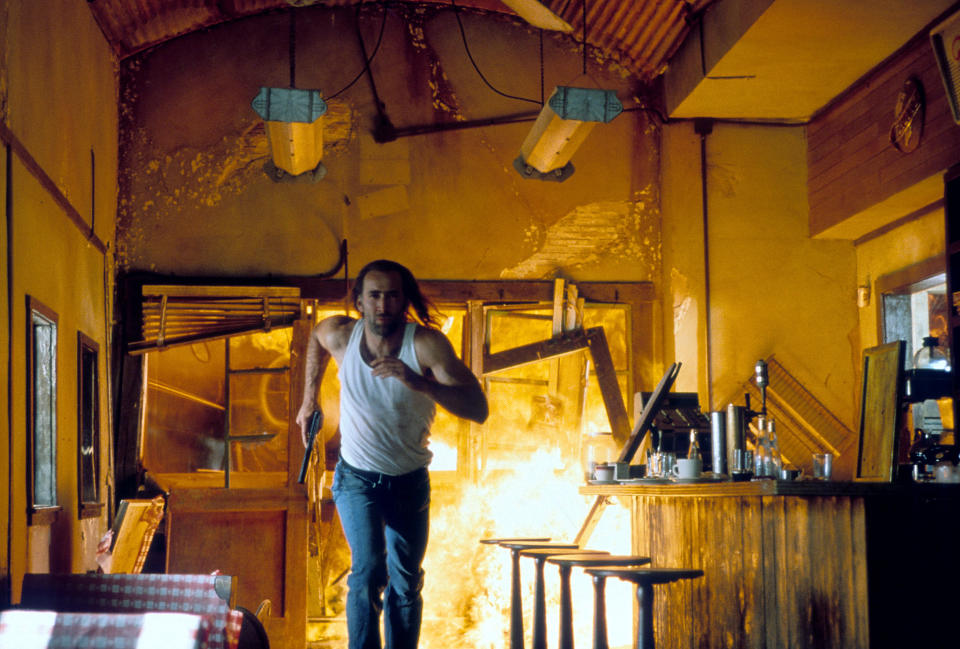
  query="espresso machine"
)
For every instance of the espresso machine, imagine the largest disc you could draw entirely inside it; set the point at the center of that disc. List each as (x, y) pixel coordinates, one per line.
(737, 425)
(923, 386)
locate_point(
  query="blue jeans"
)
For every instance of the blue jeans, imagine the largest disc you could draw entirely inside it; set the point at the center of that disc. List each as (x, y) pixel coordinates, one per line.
(385, 520)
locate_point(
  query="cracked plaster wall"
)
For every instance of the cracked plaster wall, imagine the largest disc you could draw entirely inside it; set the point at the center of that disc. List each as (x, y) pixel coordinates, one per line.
(194, 200)
(773, 289)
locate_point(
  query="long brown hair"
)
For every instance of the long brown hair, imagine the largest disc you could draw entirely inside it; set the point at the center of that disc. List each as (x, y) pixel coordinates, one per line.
(422, 308)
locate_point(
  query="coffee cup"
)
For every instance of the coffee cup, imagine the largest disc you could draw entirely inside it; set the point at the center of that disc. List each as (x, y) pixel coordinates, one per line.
(790, 473)
(603, 473)
(687, 469)
(946, 472)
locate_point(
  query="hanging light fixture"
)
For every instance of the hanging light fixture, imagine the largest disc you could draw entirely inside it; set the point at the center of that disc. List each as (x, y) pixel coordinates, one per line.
(294, 119)
(535, 13)
(563, 124)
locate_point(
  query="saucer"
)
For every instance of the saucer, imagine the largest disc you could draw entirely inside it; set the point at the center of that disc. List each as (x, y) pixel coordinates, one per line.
(600, 482)
(701, 479)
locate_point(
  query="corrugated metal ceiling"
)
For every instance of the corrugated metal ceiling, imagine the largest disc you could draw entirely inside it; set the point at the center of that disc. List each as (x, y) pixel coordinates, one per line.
(640, 34)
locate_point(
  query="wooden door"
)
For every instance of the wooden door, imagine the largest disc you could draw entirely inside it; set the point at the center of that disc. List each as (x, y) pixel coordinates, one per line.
(255, 529)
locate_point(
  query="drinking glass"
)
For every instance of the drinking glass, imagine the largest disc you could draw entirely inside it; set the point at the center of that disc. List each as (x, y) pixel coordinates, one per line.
(822, 466)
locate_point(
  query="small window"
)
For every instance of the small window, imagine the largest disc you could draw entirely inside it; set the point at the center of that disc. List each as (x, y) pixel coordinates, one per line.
(915, 310)
(42, 412)
(88, 426)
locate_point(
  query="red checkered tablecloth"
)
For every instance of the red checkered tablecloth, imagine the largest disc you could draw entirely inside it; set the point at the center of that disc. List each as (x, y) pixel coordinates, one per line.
(25, 629)
(137, 593)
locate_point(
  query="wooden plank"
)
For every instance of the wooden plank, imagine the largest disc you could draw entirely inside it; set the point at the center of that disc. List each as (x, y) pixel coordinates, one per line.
(559, 297)
(40, 175)
(475, 324)
(590, 521)
(460, 291)
(192, 291)
(535, 352)
(609, 387)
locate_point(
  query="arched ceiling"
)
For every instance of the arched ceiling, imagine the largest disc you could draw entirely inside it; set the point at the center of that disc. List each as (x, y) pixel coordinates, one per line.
(640, 34)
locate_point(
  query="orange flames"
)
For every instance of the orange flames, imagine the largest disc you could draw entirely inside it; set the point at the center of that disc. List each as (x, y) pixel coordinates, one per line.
(467, 591)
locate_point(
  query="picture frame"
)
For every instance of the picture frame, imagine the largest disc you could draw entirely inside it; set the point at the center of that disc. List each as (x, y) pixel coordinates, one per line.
(881, 409)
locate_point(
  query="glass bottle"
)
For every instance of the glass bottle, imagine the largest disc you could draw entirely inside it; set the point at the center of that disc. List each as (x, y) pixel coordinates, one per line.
(598, 448)
(776, 462)
(930, 356)
(761, 450)
(693, 452)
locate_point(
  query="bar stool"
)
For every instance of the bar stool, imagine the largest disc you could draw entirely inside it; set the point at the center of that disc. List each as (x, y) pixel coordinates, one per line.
(515, 545)
(645, 579)
(566, 562)
(540, 556)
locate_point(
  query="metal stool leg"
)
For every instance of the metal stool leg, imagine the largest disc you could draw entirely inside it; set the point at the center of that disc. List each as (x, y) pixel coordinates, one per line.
(516, 605)
(645, 616)
(539, 607)
(599, 613)
(566, 609)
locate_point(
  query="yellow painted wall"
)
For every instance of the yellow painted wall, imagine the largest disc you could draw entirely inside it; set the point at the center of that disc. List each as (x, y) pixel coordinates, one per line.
(449, 205)
(773, 290)
(5, 438)
(195, 201)
(895, 250)
(60, 100)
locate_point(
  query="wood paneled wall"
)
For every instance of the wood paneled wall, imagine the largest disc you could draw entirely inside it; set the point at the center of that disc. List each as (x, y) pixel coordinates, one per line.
(851, 163)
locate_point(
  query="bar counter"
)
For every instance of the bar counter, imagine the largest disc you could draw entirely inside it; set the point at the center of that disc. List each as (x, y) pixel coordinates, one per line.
(800, 564)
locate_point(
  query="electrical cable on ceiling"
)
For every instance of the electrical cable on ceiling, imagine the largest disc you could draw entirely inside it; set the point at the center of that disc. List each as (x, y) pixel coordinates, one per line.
(541, 67)
(463, 36)
(369, 60)
(293, 49)
(584, 36)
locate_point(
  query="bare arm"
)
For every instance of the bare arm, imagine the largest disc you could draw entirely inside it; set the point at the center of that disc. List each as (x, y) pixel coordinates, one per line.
(449, 382)
(327, 338)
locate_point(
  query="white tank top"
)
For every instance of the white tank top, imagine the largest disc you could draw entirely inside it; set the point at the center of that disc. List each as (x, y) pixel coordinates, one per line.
(384, 425)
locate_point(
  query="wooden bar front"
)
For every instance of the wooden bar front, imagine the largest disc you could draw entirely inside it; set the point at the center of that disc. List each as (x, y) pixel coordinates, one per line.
(800, 564)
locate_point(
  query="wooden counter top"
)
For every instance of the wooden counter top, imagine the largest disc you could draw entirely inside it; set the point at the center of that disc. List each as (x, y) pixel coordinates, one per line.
(772, 488)
(801, 564)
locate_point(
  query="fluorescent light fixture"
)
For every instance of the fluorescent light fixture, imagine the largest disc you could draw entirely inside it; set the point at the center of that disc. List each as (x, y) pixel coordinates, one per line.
(294, 121)
(562, 126)
(538, 15)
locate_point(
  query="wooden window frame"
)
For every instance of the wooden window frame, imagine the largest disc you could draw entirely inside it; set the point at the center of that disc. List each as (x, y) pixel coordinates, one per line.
(87, 345)
(922, 275)
(474, 295)
(38, 514)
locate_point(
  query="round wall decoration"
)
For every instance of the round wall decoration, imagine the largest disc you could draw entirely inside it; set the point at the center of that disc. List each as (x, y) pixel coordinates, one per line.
(908, 116)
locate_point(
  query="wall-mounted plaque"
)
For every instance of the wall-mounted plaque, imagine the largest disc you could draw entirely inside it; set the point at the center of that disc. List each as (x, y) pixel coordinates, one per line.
(908, 117)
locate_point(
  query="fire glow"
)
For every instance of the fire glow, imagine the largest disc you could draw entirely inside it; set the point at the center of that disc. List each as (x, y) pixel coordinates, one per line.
(467, 591)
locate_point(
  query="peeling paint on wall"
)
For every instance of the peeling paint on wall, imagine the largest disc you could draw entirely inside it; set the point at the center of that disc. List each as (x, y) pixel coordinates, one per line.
(682, 302)
(442, 95)
(190, 178)
(595, 232)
